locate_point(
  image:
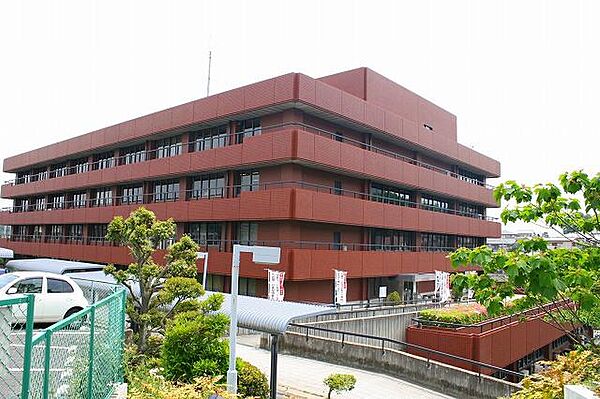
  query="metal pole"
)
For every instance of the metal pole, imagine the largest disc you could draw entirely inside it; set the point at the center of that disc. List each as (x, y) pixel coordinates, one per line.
(274, 341)
(205, 270)
(235, 273)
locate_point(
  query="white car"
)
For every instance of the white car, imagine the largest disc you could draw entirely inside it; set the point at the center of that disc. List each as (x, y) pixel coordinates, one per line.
(56, 296)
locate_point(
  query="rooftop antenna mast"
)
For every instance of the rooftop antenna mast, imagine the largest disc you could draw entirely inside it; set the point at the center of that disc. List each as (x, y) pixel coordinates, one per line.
(208, 82)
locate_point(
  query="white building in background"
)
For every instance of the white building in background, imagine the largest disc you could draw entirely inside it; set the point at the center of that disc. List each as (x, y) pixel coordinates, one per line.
(509, 239)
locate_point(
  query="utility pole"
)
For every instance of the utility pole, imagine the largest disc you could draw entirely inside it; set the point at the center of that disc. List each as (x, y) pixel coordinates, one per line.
(208, 82)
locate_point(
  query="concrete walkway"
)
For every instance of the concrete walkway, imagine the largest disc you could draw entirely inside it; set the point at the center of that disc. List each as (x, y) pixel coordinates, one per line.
(305, 376)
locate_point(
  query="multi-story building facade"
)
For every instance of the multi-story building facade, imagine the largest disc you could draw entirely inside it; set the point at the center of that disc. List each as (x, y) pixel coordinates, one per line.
(350, 171)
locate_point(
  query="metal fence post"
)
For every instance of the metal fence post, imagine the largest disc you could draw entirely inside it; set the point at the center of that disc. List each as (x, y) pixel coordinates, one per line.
(28, 346)
(90, 382)
(122, 326)
(48, 343)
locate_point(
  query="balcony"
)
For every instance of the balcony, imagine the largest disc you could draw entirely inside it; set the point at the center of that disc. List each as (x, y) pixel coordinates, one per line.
(282, 200)
(289, 141)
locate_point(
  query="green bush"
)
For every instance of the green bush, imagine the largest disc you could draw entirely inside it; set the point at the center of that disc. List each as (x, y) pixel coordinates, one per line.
(576, 367)
(459, 314)
(193, 345)
(251, 381)
(339, 383)
(394, 297)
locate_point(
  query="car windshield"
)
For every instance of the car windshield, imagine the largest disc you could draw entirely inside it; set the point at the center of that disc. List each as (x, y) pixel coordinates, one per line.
(7, 279)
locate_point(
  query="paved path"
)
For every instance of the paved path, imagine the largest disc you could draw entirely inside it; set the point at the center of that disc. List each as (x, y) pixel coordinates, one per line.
(307, 375)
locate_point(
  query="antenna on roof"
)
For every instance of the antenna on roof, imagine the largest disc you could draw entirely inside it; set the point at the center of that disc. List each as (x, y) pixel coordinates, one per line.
(208, 81)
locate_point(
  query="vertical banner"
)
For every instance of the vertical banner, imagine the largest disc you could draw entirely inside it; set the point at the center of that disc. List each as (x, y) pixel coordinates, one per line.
(275, 287)
(442, 286)
(341, 286)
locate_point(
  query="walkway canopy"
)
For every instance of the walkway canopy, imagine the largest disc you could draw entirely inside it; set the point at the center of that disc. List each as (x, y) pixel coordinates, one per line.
(269, 316)
(6, 253)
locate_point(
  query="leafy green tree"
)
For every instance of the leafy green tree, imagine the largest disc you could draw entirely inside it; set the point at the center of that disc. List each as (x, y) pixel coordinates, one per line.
(157, 291)
(542, 274)
(339, 383)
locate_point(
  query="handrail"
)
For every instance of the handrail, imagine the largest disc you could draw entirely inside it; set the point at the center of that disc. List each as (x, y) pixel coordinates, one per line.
(230, 139)
(429, 351)
(231, 191)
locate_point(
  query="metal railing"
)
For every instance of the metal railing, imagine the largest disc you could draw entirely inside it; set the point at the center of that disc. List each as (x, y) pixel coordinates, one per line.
(232, 138)
(232, 191)
(80, 356)
(388, 343)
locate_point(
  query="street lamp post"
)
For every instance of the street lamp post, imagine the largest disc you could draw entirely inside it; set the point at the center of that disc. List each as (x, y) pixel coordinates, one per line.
(260, 255)
(203, 255)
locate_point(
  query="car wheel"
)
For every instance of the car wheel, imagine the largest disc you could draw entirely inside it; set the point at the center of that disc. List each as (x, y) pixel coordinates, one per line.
(71, 311)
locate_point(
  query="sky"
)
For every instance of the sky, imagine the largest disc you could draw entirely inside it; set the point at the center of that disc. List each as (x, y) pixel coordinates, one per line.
(521, 76)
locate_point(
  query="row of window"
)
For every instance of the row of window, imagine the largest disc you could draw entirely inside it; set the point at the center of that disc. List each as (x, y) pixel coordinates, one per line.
(201, 140)
(211, 234)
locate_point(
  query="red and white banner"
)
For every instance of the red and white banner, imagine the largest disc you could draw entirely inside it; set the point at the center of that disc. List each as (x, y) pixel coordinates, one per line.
(276, 289)
(341, 287)
(442, 286)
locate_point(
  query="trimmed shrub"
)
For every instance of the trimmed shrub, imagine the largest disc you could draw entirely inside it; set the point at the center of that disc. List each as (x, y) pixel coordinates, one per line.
(339, 383)
(193, 346)
(394, 297)
(251, 381)
(458, 314)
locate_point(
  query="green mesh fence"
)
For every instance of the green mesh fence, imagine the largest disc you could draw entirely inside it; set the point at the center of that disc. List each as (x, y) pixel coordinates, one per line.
(80, 356)
(16, 330)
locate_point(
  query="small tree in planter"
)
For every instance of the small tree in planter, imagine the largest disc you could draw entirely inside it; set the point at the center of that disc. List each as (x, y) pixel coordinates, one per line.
(339, 383)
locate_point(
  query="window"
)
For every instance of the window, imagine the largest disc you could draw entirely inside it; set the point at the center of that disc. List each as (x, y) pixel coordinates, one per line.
(248, 181)
(56, 201)
(39, 174)
(338, 136)
(205, 233)
(167, 147)
(54, 232)
(470, 177)
(79, 200)
(337, 187)
(471, 210)
(55, 286)
(97, 232)
(59, 170)
(21, 205)
(436, 205)
(247, 233)
(205, 139)
(38, 232)
(337, 240)
(247, 128)
(208, 186)
(435, 242)
(80, 165)
(40, 204)
(166, 191)
(392, 240)
(29, 286)
(469, 242)
(102, 197)
(133, 154)
(247, 286)
(23, 177)
(390, 195)
(132, 195)
(104, 160)
(214, 283)
(75, 232)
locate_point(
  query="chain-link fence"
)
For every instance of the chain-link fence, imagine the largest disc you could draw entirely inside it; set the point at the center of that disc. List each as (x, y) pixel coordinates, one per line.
(16, 331)
(80, 356)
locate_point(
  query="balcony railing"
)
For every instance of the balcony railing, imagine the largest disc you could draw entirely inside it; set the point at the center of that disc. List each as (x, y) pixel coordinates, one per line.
(232, 139)
(222, 245)
(232, 192)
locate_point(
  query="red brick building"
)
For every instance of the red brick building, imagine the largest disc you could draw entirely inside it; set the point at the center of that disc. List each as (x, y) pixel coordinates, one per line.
(350, 171)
